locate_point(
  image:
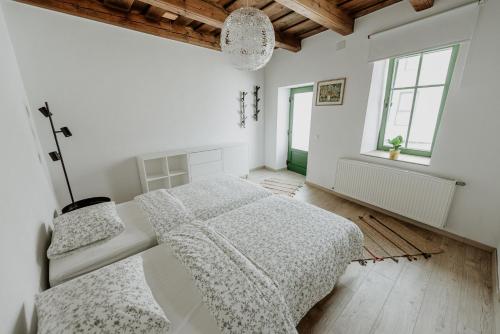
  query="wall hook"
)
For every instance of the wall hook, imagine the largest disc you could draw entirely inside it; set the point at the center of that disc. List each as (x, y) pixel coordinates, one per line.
(256, 104)
(243, 116)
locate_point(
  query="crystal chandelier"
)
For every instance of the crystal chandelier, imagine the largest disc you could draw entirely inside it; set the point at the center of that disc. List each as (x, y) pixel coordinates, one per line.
(247, 38)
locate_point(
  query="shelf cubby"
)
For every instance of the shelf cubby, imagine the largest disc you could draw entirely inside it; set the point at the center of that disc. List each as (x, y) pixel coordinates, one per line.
(163, 183)
(177, 164)
(179, 179)
(156, 168)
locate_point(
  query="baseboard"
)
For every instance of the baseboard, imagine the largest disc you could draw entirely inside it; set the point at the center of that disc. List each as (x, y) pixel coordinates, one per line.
(274, 169)
(257, 168)
(494, 273)
(408, 220)
(495, 291)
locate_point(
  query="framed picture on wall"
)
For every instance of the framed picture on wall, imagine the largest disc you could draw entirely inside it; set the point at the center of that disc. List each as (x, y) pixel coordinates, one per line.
(330, 92)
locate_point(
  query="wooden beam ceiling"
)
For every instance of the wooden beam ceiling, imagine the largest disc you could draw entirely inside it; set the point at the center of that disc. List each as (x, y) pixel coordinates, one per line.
(214, 15)
(124, 5)
(95, 11)
(323, 12)
(287, 42)
(199, 22)
(156, 14)
(200, 11)
(421, 4)
(237, 4)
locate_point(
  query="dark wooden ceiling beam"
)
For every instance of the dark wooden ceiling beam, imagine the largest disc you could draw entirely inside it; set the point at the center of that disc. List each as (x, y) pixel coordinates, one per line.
(197, 10)
(302, 27)
(156, 14)
(313, 32)
(275, 11)
(287, 21)
(214, 16)
(206, 28)
(250, 3)
(322, 12)
(96, 11)
(287, 42)
(123, 5)
(419, 5)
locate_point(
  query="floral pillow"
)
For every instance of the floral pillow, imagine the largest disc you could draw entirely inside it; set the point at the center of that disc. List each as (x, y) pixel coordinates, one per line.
(83, 227)
(113, 299)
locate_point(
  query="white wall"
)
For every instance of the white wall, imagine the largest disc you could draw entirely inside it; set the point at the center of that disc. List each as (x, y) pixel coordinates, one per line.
(124, 93)
(468, 136)
(27, 201)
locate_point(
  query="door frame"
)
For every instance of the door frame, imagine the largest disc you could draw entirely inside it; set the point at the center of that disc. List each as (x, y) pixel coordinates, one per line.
(291, 166)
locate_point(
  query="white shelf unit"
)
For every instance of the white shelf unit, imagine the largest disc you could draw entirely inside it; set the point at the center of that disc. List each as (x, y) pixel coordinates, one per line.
(163, 170)
(169, 169)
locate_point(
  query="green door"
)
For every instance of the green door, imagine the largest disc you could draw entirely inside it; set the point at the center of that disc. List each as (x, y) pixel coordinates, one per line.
(299, 128)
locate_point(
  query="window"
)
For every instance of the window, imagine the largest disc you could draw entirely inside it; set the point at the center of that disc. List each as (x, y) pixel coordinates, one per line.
(417, 86)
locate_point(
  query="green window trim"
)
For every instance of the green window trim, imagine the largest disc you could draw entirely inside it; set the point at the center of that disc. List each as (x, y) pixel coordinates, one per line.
(381, 145)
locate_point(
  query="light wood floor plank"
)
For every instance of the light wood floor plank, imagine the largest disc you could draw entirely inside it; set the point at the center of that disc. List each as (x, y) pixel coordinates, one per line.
(475, 295)
(439, 310)
(401, 309)
(360, 314)
(448, 293)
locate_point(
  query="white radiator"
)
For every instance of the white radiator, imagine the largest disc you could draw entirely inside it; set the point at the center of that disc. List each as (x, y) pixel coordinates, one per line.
(418, 196)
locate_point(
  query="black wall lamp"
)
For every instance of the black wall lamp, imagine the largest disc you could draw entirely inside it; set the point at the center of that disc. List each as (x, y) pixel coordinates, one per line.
(57, 156)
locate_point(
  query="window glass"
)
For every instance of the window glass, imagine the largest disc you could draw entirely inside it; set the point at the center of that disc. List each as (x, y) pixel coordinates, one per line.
(302, 105)
(398, 116)
(434, 68)
(416, 91)
(406, 74)
(425, 115)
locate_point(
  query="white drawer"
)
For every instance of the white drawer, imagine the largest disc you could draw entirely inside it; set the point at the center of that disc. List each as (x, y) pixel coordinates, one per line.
(196, 158)
(206, 169)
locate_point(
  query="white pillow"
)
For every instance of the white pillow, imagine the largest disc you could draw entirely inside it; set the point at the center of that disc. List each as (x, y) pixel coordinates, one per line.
(113, 299)
(83, 227)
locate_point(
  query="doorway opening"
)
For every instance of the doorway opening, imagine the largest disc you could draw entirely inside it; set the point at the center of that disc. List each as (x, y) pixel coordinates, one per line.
(301, 99)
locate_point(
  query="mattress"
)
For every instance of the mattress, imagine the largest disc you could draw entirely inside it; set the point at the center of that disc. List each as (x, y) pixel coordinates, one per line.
(214, 196)
(137, 237)
(175, 292)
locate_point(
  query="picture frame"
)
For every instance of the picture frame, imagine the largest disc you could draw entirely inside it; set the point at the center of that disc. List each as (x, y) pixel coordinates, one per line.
(330, 92)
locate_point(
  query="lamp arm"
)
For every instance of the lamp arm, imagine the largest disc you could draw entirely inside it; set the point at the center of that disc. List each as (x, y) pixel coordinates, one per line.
(54, 132)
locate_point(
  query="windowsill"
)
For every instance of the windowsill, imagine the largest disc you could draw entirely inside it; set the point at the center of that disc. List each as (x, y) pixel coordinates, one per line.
(412, 159)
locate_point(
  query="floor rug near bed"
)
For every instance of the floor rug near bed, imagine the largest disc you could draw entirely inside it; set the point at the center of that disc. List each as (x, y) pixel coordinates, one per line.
(386, 238)
(281, 186)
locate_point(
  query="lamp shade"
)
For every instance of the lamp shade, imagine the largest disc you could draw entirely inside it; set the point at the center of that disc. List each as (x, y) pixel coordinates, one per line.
(247, 38)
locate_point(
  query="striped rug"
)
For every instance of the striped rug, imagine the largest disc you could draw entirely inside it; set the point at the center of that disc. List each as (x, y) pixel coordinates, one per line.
(281, 186)
(386, 238)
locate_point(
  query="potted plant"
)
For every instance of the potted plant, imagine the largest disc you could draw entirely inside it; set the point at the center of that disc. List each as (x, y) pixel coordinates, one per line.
(396, 143)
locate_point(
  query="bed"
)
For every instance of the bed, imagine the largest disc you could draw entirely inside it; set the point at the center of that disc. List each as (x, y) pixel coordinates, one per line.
(202, 199)
(137, 237)
(255, 269)
(275, 258)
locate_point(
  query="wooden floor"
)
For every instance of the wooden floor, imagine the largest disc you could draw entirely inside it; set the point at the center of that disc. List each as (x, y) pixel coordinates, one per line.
(449, 293)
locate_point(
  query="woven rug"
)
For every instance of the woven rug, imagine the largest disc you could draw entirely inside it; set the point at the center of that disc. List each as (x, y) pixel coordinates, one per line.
(282, 186)
(386, 238)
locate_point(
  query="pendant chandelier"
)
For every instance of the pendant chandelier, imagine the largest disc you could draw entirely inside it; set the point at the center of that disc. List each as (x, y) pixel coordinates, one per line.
(247, 38)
